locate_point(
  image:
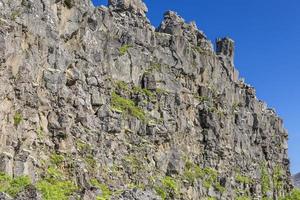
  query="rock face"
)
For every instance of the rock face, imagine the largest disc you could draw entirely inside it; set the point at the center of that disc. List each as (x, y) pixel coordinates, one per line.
(296, 180)
(99, 99)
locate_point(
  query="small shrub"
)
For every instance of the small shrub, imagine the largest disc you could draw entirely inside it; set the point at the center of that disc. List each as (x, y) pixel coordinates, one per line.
(161, 192)
(18, 119)
(277, 179)
(52, 189)
(243, 179)
(139, 90)
(106, 193)
(219, 187)
(265, 180)
(57, 159)
(121, 85)
(168, 188)
(55, 186)
(170, 184)
(15, 14)
(92, 163)
(128, 106)
(154, 67)
(83, 147)
(124, 48)
(13, 186)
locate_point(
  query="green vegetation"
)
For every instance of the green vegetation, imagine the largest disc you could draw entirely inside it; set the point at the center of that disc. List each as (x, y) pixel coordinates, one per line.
(265, 180)
(13, 186)
(169, 188)
(294, 195)
(243, 179)
(154, 67)
(208, 175)
(277, 179)
(55, 186)
(127, 106)
(192, 172)
(56, 159)
(83, 147)
(219, 187)
(40, 133)
(106, 193)
(161, 192)
(18, 119)
(235, 106)
(124, 48)
(144, 91)
(134, 163)
(15, 14)
(202, 51)
(242, 198)
(91, 162)
(121, 85)
(202, 99)
(161, 91)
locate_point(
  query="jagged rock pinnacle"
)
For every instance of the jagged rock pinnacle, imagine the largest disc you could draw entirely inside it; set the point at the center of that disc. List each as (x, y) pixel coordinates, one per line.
(225, 47)
(135, 6)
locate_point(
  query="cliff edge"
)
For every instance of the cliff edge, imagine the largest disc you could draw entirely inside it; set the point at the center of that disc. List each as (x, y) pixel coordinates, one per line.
(96, 103)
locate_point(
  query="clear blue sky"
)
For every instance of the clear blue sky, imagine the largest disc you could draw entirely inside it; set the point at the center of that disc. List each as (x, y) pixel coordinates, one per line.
(267, 36)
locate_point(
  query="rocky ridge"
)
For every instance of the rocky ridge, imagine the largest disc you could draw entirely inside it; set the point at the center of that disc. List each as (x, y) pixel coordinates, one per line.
(95, 103)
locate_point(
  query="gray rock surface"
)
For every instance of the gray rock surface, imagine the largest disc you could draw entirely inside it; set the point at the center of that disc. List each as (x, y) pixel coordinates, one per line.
(296, 180)
(127, 111)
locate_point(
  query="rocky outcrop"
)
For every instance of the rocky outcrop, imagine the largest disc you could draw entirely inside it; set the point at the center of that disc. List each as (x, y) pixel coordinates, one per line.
(296, 180)
(97, 103)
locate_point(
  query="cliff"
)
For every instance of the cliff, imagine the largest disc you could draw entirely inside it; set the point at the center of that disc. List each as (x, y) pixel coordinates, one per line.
(95, 103)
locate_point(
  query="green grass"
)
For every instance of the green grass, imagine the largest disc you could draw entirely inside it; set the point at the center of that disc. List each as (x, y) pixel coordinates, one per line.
(127, 106)
(13, 186)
